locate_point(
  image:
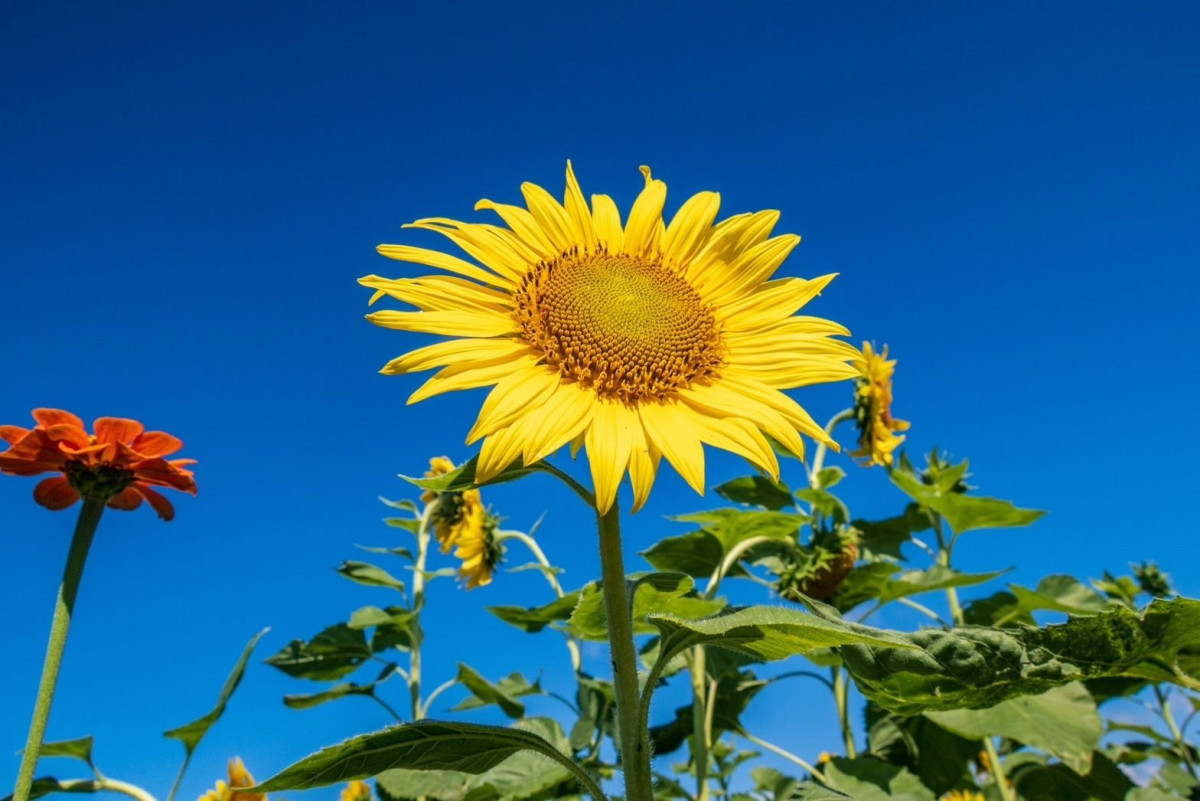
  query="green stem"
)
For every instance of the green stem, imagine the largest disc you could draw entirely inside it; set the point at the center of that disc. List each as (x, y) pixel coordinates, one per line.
(788, 755)
(635, 745)
(578, 488)
(698, 669)
(841, 695)
(418, 602)
(819, 457)
(1185, 749)
(530, 543)
(101, 784)
(64, 607)
(1007, 793)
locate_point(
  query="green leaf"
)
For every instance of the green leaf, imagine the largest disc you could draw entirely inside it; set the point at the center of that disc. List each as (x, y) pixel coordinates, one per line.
(191, 734)
(757, 491)
(463, 478)
(307, 701)
(869, 779)
(44, 785)
(1057, 593)
(370, 575)
(882, 539)
(825, 504)
(333, 653)
(964, 512)
(80, 749)
(875, 581)
(536, 618)
(654, 593)
(811, 791)
(974, 667)
(503, 694)
(1062, 721)
(699, 553)
(1105, 781)
(423, 745)
(767, 633)
(830, 476)
(401, 552)
(939, 758)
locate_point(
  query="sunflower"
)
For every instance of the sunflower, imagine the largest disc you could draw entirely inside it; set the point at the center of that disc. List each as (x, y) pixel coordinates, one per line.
(962, 795)
(636, 341)
(873, 408)
(355, 791)
(461, 521)
(238, 777)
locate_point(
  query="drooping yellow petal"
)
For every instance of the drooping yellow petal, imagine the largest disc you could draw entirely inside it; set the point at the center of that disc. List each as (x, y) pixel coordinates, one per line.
(608, 439)
(564, 415)
(666, 427)
(643, 464)
(645, 218)
(551, 217)
(720, 401)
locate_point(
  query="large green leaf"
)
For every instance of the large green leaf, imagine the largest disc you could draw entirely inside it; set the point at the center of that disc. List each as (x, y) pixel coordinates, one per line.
(939, 758)
(699, 553)
(503, 694)
(960, 511)
(757, 491)
(536, 618)
(654, 593)
(869, 779)
(190, 734)
(335, 652)
(975, 667)
(1045, 782)
(1062, 721)
(767, 633)
(423, 745)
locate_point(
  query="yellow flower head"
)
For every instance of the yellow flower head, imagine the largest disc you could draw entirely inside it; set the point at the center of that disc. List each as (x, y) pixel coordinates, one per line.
(825, 758)
(462, 522)
(636, 341)
(238, 777)
(873, 408)
(356, 791)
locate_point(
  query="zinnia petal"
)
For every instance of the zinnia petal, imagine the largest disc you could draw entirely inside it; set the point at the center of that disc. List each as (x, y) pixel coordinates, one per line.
(55, 493)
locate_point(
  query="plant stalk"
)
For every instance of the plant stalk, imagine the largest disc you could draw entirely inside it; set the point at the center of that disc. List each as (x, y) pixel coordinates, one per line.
(635, 744)
(698, 669)
(64, 607)
(841, 694)
(418, 602)
(1007, 793)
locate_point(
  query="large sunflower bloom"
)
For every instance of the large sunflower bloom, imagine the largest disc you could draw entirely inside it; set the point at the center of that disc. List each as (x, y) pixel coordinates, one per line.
(873, 408)
(120, 464)
(637, 341)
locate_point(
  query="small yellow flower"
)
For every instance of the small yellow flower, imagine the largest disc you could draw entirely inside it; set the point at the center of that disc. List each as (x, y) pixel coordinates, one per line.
(462, 522)
(962, 795)
(238, 777)
(873, 408)
(356, 791)
(824, 758)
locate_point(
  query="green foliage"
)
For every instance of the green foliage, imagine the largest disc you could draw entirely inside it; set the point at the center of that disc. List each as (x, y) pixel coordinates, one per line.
(503, 694)
(974, 667)
(869, 779)
(190, 734)
(80, 749)
(307, 701)
(333, 653)
(757, 491)
(534, 619)
(654, 593)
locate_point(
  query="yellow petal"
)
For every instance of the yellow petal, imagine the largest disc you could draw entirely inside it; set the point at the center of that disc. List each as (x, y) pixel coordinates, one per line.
(561, 417)
(577, 211)
(442, 261)
(666, 426)
(645, 218)
(551, 217)
(609, 439)
(690, 227)
(498, 451)
(753, 267)
(440, 293)
(643, 465)
(719, 400)
(772, 303)
(519, 392)
(468, 376)
(479, 323)
(607, 220)
(455, 351)
(483, 243)
(741, 437)
(523, 225)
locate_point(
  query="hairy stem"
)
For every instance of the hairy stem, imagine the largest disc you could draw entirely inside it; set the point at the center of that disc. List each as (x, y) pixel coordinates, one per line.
(64, 607)
(697, 667)
(635, 745)
(418, 587)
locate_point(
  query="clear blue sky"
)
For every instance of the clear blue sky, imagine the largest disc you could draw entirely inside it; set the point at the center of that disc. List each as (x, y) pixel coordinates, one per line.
(1010, 192)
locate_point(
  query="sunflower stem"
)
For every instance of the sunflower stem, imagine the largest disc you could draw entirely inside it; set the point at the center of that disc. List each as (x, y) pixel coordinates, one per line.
(64, 607)
(635, 744)
(698, 669)
(418, 603)
(819, 457)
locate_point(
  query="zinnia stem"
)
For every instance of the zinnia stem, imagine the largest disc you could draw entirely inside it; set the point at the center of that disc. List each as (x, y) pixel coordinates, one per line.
(64, 607)
(635, 745)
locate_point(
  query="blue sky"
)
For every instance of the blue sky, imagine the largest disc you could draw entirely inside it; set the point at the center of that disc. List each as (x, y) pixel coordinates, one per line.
(1010, 193)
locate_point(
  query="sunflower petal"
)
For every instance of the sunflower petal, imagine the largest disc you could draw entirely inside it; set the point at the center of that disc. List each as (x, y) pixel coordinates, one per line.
(479, 323)
(466, 376)
(562, 417)
(667, 429)
(578, 213)
(645, 218)
(455, 351)
(521, 391)
(442, 261)
(607, 220)
(690, 227)
(609, 439)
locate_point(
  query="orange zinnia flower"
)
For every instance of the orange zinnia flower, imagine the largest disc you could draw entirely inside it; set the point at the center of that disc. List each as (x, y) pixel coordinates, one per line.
(117, 465)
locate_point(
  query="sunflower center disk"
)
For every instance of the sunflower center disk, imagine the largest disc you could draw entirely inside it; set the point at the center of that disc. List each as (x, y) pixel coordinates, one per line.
(628, 328)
